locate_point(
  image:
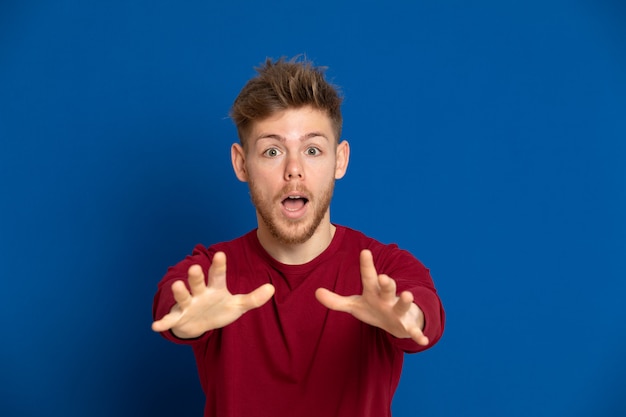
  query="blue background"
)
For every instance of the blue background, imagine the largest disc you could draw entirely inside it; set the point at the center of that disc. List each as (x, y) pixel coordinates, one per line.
(487, 137)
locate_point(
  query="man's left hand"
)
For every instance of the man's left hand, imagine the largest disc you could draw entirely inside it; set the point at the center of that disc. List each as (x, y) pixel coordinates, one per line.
(379, 305)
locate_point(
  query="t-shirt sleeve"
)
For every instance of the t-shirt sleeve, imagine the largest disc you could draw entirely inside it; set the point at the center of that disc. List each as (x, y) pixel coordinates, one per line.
(164, 298)
(411, 275)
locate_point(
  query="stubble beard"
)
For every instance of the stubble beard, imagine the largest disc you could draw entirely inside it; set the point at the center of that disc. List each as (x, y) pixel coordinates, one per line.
(287, 231)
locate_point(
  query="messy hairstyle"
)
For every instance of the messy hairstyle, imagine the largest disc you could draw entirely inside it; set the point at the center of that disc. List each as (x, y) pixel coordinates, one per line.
(281, 85)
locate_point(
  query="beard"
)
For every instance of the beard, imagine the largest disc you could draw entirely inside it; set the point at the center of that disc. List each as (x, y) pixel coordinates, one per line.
(288, 231)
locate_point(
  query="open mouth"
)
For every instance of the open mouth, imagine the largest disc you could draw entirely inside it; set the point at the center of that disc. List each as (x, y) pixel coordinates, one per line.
(294, 203)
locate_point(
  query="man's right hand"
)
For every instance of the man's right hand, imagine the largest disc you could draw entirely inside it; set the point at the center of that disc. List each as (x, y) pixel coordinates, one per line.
(208, 306)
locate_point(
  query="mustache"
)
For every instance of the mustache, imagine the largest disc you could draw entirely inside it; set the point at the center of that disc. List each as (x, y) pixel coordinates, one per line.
(301, 189)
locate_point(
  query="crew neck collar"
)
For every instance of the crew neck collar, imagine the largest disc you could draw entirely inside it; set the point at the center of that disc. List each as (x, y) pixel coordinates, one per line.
(332, 248)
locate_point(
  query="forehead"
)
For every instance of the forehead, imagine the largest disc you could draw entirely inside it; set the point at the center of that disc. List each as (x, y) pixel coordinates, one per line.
(293, 123)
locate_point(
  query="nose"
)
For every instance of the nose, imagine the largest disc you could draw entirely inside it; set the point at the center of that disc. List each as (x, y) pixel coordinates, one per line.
(293, 169)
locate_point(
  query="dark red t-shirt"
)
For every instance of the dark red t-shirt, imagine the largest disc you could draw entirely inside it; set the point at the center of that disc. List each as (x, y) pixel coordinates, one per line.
(292, 356)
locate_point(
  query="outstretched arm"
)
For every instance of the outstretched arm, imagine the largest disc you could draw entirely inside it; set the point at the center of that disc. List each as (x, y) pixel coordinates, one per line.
(379, 305)
(208, 306)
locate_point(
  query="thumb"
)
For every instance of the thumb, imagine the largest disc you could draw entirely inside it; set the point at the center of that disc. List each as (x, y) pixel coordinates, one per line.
(258, 297)
(333, 301)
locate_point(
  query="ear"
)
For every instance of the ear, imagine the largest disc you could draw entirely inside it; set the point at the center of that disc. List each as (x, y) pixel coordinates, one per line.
(238, 158)
(342, 159)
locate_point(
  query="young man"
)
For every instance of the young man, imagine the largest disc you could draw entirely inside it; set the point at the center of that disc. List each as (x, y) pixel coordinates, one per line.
(300, 317)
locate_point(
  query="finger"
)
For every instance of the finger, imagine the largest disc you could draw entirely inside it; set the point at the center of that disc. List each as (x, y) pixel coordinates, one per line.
(369, 276)
(217, 271)
(181, 294)
(195, 277)
(418, 336)
(333, 301)
(387, 287)
(257, 297)
(404, 303)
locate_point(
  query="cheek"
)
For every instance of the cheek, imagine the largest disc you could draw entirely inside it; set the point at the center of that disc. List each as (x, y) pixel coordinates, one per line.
(262, 177)
(327, 171)
(262, 184)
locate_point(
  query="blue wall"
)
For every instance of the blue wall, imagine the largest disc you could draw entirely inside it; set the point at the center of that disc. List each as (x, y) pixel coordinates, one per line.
(488, 139)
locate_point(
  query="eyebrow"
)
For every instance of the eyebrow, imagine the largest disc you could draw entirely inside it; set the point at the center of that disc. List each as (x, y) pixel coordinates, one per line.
(283, 139)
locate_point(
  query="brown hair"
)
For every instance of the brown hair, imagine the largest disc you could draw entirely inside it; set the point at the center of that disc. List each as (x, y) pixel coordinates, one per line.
(281, 85)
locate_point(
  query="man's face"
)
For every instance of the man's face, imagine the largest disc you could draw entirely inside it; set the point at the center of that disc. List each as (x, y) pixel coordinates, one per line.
(291, 162)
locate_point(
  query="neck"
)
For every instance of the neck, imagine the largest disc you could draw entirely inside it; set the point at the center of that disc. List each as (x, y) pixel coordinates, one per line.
(297, 254)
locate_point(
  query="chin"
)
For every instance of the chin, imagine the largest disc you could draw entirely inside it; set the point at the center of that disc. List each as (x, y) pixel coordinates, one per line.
(300, 235)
